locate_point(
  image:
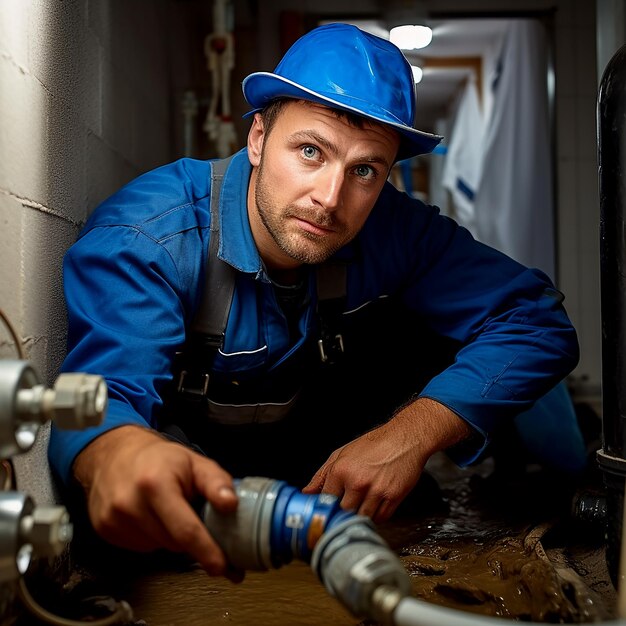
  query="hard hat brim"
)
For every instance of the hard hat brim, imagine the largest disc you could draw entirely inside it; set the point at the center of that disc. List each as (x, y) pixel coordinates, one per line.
(260, 88)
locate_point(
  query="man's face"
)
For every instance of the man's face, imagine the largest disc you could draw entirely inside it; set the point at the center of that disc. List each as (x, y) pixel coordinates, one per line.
(315, 180)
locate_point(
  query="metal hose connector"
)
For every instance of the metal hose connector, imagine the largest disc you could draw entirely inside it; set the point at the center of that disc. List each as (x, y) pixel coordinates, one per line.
(275, 523)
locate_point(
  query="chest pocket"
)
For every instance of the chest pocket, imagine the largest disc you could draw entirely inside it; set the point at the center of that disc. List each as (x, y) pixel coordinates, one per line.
(258, 394)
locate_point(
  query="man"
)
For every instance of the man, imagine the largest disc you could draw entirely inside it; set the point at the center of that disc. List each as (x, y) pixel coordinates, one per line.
(364, 331)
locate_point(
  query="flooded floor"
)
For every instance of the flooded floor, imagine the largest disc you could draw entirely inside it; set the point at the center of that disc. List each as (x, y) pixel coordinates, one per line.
(475, 542)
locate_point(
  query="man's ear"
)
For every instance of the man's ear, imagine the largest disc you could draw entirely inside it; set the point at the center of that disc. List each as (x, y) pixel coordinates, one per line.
(256, 135)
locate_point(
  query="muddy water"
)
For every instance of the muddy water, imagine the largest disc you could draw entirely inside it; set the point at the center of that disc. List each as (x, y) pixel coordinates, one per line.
(488, 547)
(291, 595)
(486, 572)
(495, 578)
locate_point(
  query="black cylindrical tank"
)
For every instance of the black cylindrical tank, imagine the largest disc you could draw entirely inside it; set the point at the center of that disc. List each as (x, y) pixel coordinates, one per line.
(611, 124)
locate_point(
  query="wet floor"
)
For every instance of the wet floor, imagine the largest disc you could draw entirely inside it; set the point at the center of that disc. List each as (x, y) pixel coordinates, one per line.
(477, 543)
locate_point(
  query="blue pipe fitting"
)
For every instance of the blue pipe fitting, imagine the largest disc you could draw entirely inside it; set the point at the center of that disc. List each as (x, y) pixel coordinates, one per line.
(274, 523)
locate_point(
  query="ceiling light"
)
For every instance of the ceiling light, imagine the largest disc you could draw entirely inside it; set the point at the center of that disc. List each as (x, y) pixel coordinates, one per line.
(417, 73)
(411, 37)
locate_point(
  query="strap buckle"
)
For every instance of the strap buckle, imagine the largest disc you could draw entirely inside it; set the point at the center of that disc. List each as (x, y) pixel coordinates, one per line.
(330, 348)
(199, 389)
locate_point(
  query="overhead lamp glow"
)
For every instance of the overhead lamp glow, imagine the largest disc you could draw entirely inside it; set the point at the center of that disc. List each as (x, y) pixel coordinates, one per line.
(417, 73)
(411, 37)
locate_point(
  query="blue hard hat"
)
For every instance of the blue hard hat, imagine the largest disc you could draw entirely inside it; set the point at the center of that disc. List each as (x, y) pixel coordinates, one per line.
(343, 67)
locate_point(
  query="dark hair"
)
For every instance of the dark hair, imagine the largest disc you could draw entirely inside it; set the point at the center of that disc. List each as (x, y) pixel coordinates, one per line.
(271, 111)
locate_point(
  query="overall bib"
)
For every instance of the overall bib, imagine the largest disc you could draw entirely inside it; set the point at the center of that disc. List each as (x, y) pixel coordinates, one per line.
(285, 422)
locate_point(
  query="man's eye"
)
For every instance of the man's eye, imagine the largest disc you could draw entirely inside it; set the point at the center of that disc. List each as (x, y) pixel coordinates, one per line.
(309, 152)
(364, 171)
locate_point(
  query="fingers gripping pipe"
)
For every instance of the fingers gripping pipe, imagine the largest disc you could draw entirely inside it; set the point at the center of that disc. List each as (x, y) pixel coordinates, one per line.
(275, 523)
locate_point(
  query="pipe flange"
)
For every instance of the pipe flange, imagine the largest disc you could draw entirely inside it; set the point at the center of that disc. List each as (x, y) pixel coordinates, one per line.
(15, 552)
(17, 434)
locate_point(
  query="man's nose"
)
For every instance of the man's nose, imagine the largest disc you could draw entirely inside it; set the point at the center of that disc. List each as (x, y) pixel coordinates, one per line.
(329, 187)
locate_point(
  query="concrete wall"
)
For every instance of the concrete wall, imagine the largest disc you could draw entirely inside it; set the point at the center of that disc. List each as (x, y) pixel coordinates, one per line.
(85, 106)
(88, 97)
(578, 210)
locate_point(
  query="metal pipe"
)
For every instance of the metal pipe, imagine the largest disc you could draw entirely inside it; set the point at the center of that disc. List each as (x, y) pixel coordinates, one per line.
(275, 523)
(611, 113)
(413, 612)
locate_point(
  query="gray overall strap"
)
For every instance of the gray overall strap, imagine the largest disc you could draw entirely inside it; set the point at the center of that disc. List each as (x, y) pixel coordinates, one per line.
(206, 335)
(331, 300)
(212, 315)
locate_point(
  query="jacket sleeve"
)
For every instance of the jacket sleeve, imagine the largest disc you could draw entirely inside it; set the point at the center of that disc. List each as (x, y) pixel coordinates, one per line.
(125, 319)
(516, 339)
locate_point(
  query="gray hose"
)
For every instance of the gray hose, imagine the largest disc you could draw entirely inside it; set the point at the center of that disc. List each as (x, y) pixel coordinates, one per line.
(413, 612)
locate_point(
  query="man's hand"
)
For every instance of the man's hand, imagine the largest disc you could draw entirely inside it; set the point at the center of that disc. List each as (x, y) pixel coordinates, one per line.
(375, 472)
(139, 486)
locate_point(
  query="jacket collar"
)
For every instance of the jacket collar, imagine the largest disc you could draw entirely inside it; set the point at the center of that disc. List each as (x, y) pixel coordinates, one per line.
(237, 245)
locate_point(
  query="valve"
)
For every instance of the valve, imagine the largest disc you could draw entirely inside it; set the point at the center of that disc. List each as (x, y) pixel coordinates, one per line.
(28, 531)
(76, 402)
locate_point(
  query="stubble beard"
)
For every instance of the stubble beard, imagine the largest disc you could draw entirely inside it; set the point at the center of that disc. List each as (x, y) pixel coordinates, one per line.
(302, 246)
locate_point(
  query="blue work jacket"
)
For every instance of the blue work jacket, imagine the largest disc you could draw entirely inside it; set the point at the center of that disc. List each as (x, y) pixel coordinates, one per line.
(133, 282)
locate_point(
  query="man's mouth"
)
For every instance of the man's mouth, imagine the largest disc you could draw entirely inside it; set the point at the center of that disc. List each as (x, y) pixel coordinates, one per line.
(313, 227)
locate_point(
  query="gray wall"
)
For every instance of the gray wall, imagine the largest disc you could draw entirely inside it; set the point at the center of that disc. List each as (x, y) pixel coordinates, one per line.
(85, 105)
(86, 96)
